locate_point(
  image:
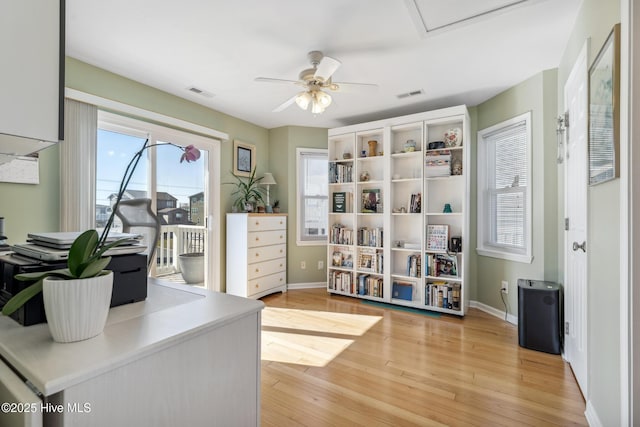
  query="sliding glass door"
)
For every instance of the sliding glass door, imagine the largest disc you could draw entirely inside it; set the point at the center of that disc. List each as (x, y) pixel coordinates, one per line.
(183, 195)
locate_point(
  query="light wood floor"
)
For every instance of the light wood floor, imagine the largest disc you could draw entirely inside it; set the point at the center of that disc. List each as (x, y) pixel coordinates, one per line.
(332, 360)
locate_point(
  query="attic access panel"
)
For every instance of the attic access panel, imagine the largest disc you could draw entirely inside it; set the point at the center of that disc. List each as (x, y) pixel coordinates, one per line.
(432, 15)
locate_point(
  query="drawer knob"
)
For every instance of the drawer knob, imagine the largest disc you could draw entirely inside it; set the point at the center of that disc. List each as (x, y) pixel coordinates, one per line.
(257, 286)
(280, 250)
(280, 265)
(257, 254)
(280, 222)
(281, 279)
(257, 239)
(257, 222)
(257, 270)
(281, 236)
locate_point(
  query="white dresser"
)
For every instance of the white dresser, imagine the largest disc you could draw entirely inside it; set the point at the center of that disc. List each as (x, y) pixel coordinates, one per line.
(256, 254)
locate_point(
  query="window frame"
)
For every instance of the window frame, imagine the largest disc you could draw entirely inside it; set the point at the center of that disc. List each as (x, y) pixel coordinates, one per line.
(301, 239)
(486, 223)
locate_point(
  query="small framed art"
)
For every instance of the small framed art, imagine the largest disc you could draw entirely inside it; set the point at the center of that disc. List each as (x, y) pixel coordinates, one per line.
(244, 158)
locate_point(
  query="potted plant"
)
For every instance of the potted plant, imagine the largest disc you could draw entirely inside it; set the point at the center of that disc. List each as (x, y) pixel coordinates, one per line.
(247, 192)
(77, 298)
(276, 206)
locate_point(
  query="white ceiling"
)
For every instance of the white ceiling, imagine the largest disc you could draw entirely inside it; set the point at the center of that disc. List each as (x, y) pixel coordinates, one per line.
(221, 46)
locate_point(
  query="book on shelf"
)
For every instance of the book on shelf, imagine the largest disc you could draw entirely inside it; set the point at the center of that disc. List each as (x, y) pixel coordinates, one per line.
(442, 295)
(371, 200)
(444, 265)
(413, 266)
(415, 203)
(370, 237)
(340, 173)
(341, 235)
(402, 290)
(336, 259)
(437, 237)
(370, 285)
(342, 202)
(341, 281)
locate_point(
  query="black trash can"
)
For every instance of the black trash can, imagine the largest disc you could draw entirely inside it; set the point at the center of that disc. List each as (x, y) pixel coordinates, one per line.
(540, 315)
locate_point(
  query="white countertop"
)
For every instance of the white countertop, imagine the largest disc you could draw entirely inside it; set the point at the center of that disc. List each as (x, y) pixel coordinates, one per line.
(171, 313)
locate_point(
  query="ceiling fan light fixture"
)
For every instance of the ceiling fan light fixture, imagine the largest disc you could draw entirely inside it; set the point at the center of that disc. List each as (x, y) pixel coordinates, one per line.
(317, 108)
(303, 99)
(323, 98)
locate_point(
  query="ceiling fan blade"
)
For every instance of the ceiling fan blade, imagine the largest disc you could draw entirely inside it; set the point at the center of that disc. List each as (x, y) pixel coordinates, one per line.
(270, 80)
(326, 68)
(285, 104)
(355, 87)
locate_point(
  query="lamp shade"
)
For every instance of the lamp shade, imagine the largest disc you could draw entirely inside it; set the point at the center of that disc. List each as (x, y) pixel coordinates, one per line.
(303, 99)
(267, 179)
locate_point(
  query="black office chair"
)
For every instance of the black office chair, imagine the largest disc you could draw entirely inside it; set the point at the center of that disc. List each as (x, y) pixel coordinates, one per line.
(137, 217)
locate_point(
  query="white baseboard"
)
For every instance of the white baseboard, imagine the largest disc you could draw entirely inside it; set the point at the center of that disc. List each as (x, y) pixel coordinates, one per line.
(493, 311)
(309, 285)
(592, 417)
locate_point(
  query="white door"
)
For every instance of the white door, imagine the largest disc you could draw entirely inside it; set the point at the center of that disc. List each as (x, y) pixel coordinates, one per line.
(575, 194)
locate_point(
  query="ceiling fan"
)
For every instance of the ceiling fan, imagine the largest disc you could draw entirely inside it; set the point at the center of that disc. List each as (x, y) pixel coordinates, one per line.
(315, 81)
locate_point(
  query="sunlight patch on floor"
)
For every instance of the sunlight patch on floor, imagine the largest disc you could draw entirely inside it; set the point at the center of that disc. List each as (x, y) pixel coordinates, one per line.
(300, 349)
(318, 321)
(307, 337)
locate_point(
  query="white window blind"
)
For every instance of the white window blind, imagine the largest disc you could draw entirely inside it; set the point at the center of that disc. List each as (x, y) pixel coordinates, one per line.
(504, 183)
(313, 196)
(508, 185)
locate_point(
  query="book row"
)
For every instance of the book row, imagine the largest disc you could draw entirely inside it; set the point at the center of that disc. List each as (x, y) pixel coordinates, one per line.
(340, 173)
(341, 235)
(370, 237)
(365, 284)
(442, 295)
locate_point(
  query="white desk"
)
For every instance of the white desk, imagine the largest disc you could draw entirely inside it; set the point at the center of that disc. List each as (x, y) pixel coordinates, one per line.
(185, 356)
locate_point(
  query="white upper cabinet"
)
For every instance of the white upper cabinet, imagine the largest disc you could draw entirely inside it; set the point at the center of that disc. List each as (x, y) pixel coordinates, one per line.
(31, 75)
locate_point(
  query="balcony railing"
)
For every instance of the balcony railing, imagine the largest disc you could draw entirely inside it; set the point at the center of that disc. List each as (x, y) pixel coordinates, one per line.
(175, 240)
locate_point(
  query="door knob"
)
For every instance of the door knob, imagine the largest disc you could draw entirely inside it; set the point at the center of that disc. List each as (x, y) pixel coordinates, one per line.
(582, 246)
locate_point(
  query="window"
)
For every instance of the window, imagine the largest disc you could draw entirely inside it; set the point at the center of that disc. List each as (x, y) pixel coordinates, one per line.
(313, 196)
(504, 190)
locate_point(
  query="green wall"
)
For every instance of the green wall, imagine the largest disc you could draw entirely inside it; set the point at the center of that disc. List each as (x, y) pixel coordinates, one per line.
(538, 95)
(283, 144)
(594, 22)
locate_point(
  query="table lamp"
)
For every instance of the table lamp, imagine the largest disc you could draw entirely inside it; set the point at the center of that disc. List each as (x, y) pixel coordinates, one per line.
(268, 180)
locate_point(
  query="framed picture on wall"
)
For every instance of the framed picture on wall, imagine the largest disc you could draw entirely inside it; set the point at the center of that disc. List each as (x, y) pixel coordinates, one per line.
(244, 158)
(604, 111)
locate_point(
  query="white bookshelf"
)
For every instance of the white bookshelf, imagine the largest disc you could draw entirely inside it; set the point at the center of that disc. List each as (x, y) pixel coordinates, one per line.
(398, 175)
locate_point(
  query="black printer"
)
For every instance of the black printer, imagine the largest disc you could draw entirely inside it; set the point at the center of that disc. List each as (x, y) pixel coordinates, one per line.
(129, 282)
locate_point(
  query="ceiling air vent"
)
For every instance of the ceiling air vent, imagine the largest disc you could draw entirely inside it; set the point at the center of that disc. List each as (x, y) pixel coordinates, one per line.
(200, 92)
(409, 94)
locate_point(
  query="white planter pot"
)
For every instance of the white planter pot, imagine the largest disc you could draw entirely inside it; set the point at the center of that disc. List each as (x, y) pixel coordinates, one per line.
(192, 267)
(77, 309)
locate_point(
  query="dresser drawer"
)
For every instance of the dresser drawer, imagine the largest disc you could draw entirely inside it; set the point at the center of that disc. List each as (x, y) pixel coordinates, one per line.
(265, 283)
(266, 267)
(257, 223)
(264, 238)
(265, 253)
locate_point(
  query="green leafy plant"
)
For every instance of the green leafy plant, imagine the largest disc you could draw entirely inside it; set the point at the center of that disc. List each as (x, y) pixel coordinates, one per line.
(247, 191)
(276, 203)
(86, 253)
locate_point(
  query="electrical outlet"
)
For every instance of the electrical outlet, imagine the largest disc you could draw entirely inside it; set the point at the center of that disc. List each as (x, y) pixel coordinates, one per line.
(320, 265)
(504, 287)
(303, 265)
